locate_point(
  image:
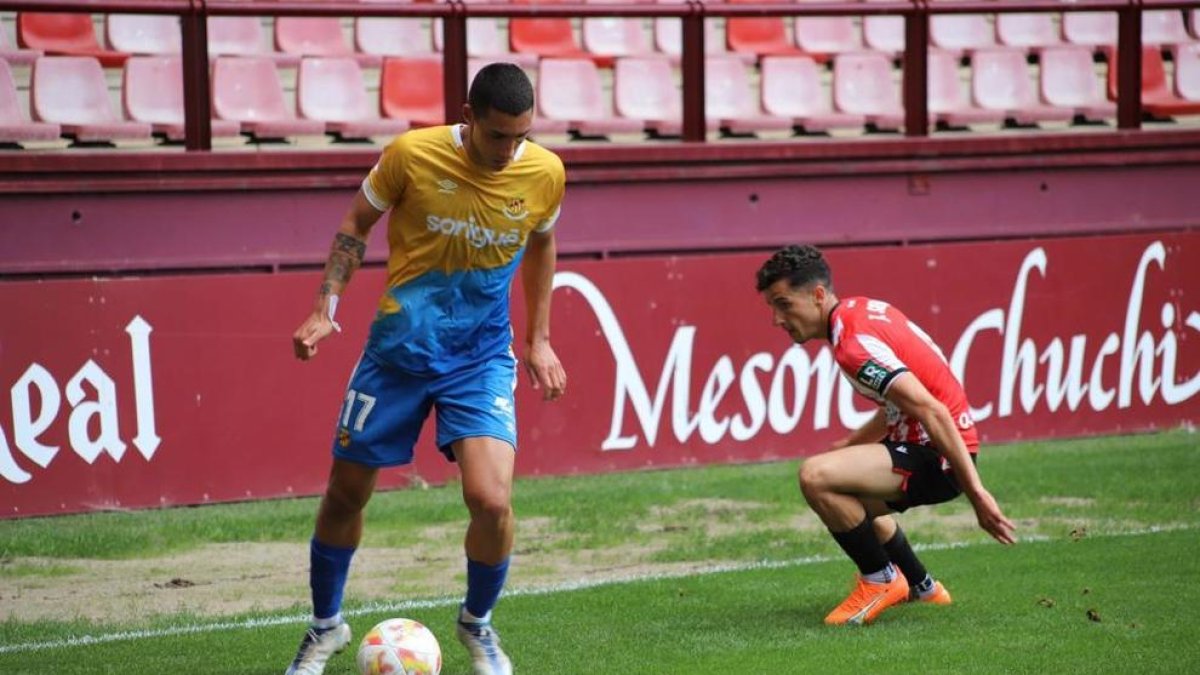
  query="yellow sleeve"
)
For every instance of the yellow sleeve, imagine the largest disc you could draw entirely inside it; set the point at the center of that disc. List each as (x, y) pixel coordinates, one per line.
(385, 184)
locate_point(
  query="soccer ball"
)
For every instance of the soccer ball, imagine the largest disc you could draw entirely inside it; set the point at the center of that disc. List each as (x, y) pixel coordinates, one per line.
(399, 647)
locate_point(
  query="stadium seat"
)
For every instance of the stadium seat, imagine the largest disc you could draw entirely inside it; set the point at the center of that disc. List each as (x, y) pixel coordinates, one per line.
(668, 37)
(66, 35)
(961, 32)
(1000, 81)
(570, 92)
(15, 56)
(728, 98)
(247, 90)
(1164, 27)
(1027, 31)
(863, 85)
(792, 88)
(331, 90)
(143, 33)
(1194, 21)
(317, 36)
(388, 36)
(71, 91)
(614, 36)
(1068, 80)
(761, 36)
(948, 104)
(412, 90)
(14, 127)
(1187, 72)
(644, 89)
(1090, 29)
(553, 37)
(152, 92)
(1157, 98)
(484, 41)
(884, 33)
(827, 35)
(242, 36)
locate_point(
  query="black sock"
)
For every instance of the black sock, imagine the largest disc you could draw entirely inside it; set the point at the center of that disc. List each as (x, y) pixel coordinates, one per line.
(902, 554)
(863, 547)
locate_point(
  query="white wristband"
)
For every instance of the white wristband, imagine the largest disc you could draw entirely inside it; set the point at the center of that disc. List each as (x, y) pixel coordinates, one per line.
(333, 303)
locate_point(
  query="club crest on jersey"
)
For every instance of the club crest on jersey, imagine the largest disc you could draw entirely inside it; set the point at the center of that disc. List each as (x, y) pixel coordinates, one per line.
(872, 375)
(514, 208)
(344, 437)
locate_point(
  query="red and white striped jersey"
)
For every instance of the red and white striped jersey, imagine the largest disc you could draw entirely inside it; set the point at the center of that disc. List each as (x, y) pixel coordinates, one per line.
(873, 343)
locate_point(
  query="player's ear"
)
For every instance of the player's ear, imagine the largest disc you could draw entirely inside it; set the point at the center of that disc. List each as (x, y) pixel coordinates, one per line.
(468, 117)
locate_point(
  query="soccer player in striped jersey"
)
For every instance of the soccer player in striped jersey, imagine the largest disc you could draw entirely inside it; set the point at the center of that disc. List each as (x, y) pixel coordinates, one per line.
(469, 204)
(919, 448)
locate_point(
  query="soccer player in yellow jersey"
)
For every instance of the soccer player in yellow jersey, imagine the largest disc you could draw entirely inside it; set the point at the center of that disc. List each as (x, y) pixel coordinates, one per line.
(468, 204)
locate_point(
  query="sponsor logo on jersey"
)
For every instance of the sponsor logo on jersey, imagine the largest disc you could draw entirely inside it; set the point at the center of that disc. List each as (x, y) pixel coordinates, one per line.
(476, 235)
(447, 186)
(872, 374)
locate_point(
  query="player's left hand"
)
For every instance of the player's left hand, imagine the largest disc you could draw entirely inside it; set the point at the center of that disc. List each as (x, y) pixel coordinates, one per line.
(992, 519)
(545, 371)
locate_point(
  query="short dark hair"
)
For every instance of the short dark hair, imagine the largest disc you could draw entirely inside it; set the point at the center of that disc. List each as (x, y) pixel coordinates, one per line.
(500, 86)
(800, 265)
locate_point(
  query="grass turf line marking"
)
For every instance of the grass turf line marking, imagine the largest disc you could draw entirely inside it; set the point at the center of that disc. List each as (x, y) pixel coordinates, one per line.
(566, 587)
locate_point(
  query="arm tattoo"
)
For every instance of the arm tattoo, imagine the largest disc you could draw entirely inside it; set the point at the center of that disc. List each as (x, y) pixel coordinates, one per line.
(345, 256)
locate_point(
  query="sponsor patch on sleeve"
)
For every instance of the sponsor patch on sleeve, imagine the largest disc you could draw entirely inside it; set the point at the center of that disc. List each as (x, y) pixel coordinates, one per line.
(875, 375)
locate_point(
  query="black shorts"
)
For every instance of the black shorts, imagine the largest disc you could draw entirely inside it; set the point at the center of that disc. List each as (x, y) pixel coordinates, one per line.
(925, 479)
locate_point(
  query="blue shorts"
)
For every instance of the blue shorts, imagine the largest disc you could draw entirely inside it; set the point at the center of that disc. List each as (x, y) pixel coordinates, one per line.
(384, 409)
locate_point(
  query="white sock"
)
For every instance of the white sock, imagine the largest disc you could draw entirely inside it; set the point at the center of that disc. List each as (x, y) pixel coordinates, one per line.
(883, 576)
(332, 621)
(465, 616)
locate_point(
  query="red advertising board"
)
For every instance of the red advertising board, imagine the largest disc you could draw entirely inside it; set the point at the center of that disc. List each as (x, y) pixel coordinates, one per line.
(137, 392)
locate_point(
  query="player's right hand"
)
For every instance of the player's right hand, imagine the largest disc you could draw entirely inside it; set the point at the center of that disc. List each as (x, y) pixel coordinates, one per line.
(992, 519)
(315, 328)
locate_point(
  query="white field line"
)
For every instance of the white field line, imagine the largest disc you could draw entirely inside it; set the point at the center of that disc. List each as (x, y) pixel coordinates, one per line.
(380, 607)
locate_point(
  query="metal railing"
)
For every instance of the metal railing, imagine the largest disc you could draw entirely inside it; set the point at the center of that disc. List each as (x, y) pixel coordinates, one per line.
(454, 14)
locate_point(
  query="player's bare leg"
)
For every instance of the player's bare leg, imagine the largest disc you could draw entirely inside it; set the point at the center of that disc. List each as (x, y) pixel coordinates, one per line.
(846, 488)
(487, 472)
(336, 536)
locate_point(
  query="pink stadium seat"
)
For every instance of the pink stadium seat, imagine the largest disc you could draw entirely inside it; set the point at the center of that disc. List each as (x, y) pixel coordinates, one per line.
(791, 88)
(1157, 98)
(71, 91)
(14, 127)
(247, 90)
(614, 36)
(884, 33)
(827, 35)
(484, 41)
(644, 89)
(332, 90)
(15, 56)
(863, 85)
(1027, 31)
(64, 34)
(152, 92)
(570, 91)
(1068, 80)
(387, 36)
(728, 98)
(143, 33)
(947, 102)
(1164, 27)
(961, 32)
(242, 36)
(317, 36)
(1090, 29)
(1194, 21)
(761, 36)
(1187, 72)
(412, 90)
(1000, 81)
(668, 37)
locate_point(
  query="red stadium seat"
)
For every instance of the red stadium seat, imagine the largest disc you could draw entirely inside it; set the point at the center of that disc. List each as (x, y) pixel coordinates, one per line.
(412, 90)
(14, 55)
(1164, 27)
(387, 36)
(14, 127)
(791, 88)
(247, 90)
(484, 41)
(729, 100)
(1000, 81)
(1157, 98)
(1090, 29)
(1027, 31)
(668, 37)
(143, 33)
(317, 36)
(554, 37)
(961, 32)
(644, 89)
(64, 34)
(242, 36)
(71, 91)
(1068, 80)
(570, 91)
(332, 91)
(827, 35)
(152, 92)
(863, 85)
(761, 36)
(947, 103)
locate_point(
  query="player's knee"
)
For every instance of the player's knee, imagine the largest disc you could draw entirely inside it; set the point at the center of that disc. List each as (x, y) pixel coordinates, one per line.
(491, 505)
(341, 502)
(813, 476)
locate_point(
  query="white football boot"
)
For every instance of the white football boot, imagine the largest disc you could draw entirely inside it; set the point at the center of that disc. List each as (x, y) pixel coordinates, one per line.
(317, 646)
(481, 640)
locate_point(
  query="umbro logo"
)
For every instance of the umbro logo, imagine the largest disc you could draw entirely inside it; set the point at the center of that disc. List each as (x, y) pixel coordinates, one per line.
(447, 186)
